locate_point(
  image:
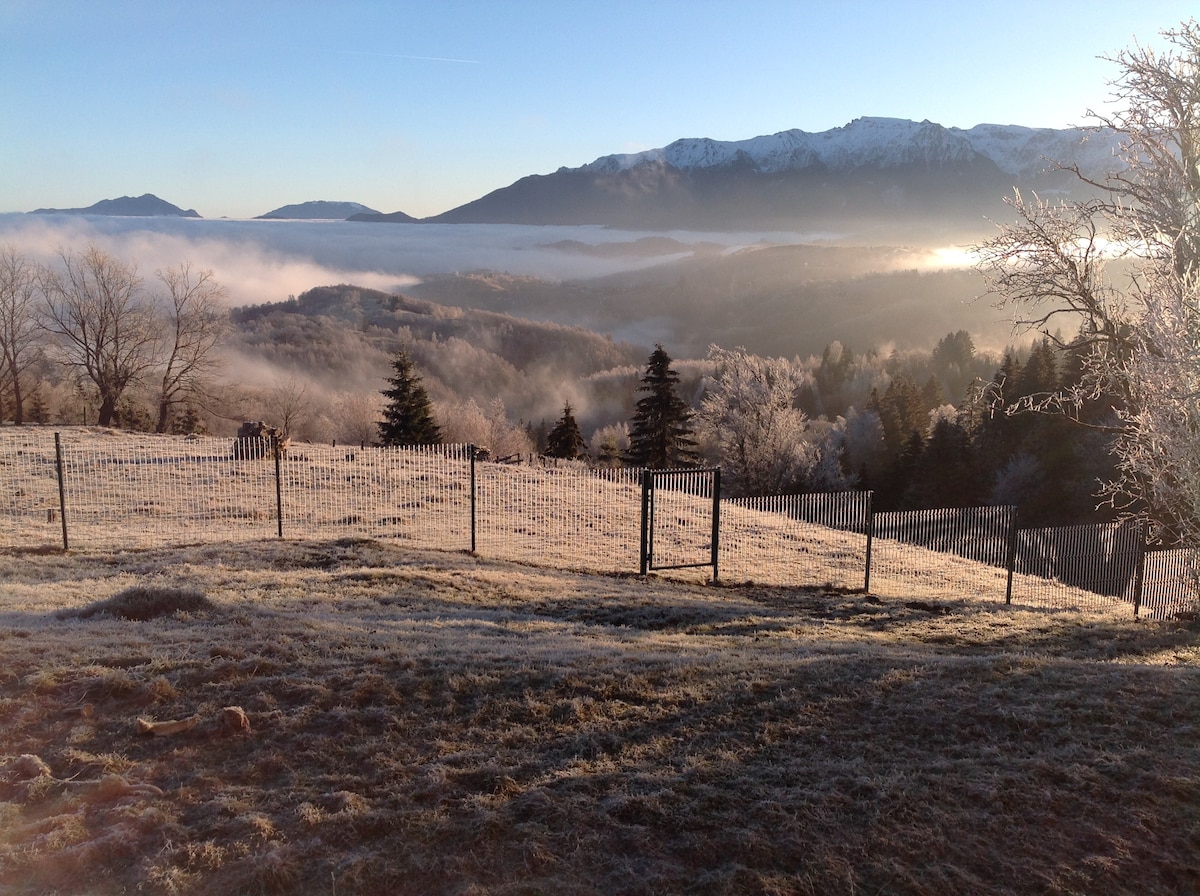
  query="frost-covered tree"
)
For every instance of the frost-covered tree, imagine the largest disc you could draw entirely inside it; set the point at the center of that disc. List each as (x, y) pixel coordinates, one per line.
(661, 432)
(408, 415)
(469, 424)
(103, 325)
(609, 443)
(18, 325)
(864, 449)
(1124, 266)
(751, 426)
(193, 322)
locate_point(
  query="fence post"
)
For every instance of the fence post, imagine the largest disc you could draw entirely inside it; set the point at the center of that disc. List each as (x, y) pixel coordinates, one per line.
(472, 449)
(62, 495)
(278, 488)
(716, 520)
(870, 540)
(1140, 572)
(645, 561)
(1012, 557)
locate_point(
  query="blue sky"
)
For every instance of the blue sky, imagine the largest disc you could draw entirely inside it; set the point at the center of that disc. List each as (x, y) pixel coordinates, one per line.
(236, 108)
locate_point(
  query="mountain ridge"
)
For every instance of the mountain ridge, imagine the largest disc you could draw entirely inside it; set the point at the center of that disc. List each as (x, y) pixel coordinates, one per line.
(910, 174)
(914, 176)
(881, 142)
(145, 206)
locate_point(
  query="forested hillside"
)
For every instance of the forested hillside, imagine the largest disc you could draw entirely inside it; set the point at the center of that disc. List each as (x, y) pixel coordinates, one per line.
(343, 337)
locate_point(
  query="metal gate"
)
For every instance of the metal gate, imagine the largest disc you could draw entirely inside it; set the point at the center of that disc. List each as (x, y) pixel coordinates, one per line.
(681, 519)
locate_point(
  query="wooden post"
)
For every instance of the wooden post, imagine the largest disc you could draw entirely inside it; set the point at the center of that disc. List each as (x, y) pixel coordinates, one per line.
(472, 499)
(278, 488)
(62, 495)
(716, 521)
(645, 564)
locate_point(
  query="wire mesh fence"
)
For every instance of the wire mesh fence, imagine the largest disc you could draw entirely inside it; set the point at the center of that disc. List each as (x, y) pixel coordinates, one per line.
(785, 539)
(908, 548)
(1100, 561)
(105, 490)
(560, 515)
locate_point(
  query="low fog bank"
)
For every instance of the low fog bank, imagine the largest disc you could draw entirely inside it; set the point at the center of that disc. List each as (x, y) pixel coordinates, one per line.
(523, 318)
(266, 261)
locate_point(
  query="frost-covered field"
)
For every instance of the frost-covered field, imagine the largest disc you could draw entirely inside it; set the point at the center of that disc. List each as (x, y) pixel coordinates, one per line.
(130, 490)
(426, 721)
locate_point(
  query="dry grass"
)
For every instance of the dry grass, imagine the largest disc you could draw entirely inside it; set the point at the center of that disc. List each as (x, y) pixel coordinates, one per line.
(435, 723)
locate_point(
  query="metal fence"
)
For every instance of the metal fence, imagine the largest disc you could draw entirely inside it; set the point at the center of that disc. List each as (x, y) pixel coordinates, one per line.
(104, 490)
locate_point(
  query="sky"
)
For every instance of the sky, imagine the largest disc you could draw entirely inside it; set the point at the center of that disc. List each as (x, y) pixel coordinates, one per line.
(237, 107)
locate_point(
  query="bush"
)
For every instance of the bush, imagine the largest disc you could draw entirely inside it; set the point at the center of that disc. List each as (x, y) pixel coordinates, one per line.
(141, 603)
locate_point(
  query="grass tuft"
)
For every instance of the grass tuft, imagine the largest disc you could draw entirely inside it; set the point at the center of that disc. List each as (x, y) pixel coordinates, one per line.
(144, 602)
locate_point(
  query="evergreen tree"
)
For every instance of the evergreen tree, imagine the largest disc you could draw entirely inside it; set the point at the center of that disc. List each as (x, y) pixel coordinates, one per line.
(187, 423)
(901, 411)
(408, 416)
(565, 440)
(38, 412)
(945, 473)
(661, 434)
(932, 394)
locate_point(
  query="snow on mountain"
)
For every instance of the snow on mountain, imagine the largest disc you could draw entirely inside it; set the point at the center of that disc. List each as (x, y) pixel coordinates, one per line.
(1026, 151)
(881, 143)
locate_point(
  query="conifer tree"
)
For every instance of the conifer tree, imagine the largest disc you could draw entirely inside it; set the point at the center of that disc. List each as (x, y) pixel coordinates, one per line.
(661, 433)
(408, 416)
(565, 440)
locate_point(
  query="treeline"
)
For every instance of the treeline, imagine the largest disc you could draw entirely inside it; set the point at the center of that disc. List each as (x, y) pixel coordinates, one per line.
(935, 429)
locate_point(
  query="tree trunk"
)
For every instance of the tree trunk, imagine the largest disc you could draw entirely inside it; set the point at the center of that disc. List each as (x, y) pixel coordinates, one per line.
(108, 407)
(164, 412)
(18, 416)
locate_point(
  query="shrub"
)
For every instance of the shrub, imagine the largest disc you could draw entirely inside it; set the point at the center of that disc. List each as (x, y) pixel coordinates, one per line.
(144, 602)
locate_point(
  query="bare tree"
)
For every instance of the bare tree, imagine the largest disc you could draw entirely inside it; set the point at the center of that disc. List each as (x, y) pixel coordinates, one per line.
(104, 327)
(1124, 266)
(18, 324)
(356, 416)
(195, 321)
(290, 403)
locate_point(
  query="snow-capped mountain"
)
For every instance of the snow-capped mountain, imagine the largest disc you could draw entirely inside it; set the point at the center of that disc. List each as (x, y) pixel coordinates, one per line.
(898, 172)
(881, 143)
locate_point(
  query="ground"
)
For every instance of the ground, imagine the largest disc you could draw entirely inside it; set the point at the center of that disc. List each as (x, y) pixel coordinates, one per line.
(433, 722)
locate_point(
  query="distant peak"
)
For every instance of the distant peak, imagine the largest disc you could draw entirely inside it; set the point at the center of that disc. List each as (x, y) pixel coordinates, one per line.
(321, 209)
(147, 205)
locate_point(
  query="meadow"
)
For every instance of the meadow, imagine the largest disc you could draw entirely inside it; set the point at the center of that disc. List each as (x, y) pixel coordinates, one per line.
(409, 720)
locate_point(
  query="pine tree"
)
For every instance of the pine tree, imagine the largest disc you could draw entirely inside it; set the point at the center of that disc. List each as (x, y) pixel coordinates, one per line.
(661, 433)
(408, 416)
(565, 440)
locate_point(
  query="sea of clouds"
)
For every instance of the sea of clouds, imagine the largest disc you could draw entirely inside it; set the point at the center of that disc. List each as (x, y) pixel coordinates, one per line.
(267, 261)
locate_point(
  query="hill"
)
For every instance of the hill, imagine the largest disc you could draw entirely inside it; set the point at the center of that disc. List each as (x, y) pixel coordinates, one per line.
(319, 209)
(436, 722)
(145, 206)
(389, 218)
(344, 337)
